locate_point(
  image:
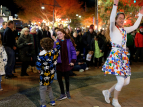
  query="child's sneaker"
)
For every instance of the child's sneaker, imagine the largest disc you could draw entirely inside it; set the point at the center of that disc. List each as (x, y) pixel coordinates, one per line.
(52, 103)
(68, 95)
(81, 70)
(62, 97)
(106, 94)
(115, 103)
(87, 68)
(43, 106)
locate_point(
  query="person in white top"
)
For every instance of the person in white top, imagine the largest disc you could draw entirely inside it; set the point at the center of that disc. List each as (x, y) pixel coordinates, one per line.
(3, 61)
(118, 63)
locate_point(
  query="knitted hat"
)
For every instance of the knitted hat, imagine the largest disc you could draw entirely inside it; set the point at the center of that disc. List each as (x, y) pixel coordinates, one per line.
(141, 25)
(91, 27)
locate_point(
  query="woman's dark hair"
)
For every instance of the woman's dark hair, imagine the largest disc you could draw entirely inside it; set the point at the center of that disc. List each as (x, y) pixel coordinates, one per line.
(68, 30)
(119, 14)
(67, 36)
(60, 25)
(47, 43)
(56, 28)
(47, 27)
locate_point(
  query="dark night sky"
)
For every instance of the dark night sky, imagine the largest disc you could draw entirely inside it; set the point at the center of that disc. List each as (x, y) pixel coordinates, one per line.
(14, 8)
(10, 5)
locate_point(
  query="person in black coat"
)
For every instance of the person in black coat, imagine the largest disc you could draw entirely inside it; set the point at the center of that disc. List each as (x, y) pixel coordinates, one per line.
(107, 50)
(48, 33)
(42, 33)
(4, 24)
(86, 40)
(26, 50)
(97, 46)
(79, 33)
(76, 40)
(10, 45)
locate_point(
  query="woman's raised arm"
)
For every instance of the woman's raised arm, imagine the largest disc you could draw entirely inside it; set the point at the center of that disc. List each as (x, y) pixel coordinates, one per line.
(137, 23)
(113, 15)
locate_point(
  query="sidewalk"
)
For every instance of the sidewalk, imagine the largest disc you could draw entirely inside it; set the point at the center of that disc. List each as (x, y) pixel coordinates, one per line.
(86, 90)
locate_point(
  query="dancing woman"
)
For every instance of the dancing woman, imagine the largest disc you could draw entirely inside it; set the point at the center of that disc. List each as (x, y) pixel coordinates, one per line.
(118, 63)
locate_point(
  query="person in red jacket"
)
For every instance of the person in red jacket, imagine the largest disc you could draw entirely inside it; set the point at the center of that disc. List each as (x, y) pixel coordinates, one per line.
(139, 44)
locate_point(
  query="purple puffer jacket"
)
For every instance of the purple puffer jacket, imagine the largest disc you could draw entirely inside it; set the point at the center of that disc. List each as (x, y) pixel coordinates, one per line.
(71, 51)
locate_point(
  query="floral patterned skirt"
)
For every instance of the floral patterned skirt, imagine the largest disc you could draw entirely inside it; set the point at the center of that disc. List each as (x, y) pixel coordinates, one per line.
(117, 63)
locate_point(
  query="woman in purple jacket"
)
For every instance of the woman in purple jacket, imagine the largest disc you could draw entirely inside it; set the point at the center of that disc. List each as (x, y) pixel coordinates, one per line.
(66, 60)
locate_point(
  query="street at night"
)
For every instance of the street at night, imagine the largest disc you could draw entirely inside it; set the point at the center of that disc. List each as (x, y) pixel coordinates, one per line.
(86, 90)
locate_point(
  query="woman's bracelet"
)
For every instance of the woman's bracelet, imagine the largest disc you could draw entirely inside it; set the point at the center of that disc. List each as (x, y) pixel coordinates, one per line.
(115, 5)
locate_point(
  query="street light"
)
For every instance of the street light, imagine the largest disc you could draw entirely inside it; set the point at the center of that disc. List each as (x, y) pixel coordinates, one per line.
(76, 14)
(96, 13)
(79, 16)
(43, 7)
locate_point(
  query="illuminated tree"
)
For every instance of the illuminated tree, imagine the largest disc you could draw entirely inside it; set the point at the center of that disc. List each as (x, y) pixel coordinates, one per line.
(127, 6)
(32, 9)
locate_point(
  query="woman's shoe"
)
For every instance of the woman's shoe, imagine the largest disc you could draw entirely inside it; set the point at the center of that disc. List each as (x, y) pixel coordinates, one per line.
(115, 103)
(68, 95)
(62, 97)
(106, 95)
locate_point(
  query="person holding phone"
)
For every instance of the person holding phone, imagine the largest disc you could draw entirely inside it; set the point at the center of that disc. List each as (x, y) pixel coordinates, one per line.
(26, 50)
(117, 62)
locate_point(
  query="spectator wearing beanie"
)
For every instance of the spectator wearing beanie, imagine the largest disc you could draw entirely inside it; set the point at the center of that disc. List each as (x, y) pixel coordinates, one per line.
(87, 38)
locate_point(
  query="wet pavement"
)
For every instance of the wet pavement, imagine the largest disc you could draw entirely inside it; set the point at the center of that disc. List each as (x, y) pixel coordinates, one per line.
(85, 88)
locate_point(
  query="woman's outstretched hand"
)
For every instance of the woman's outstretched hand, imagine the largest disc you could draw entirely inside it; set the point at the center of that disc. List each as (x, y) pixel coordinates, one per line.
(141, 10)
(116, 2)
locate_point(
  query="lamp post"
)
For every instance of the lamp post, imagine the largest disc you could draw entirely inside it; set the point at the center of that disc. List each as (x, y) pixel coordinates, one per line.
(55, 5)
(1, 10)
(96, 13)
